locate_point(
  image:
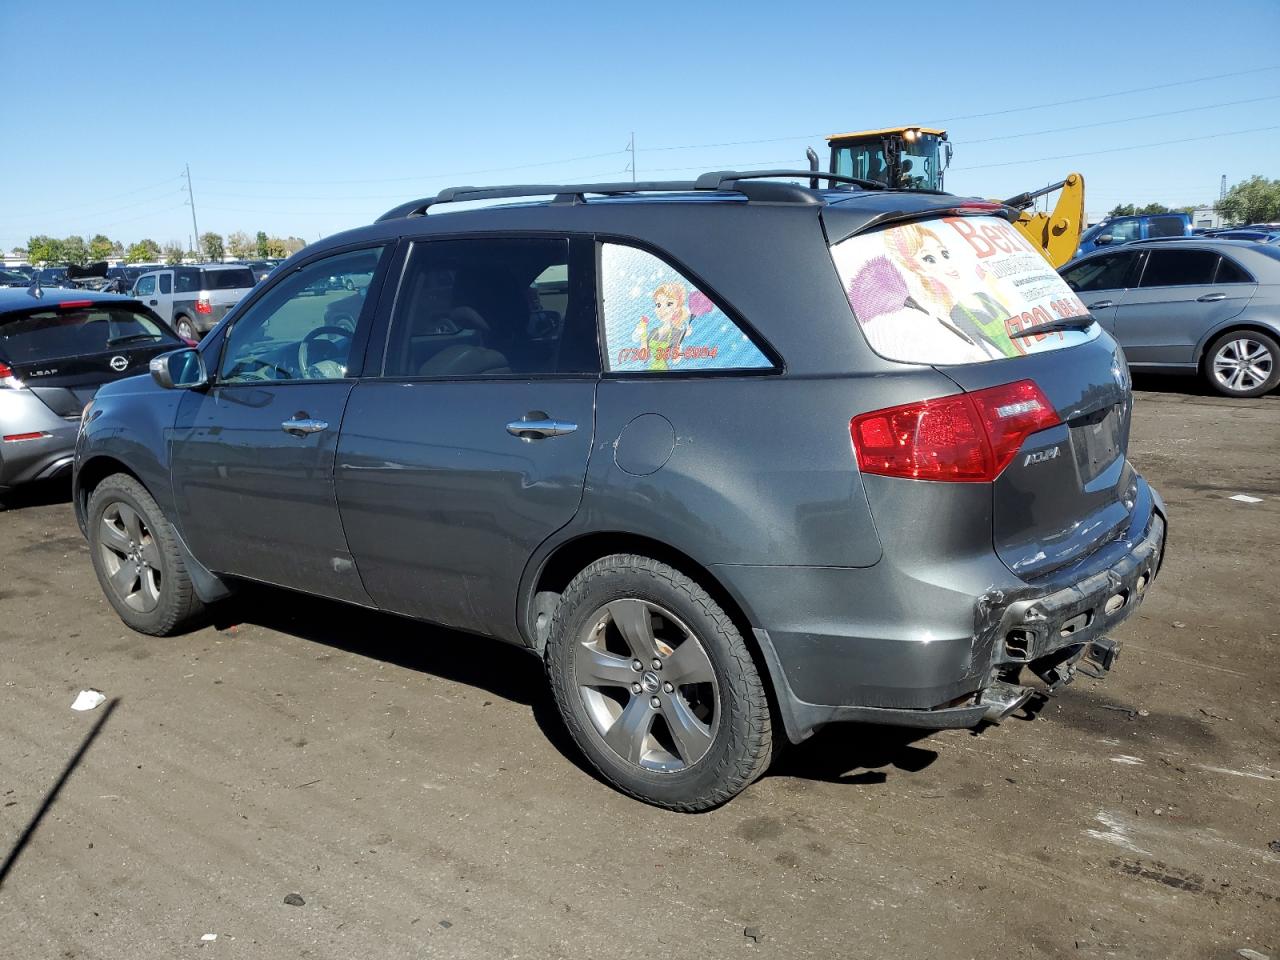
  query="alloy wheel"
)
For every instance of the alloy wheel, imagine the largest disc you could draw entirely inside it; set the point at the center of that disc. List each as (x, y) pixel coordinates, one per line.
(130, 556)
(1242, 364)
(648, 685)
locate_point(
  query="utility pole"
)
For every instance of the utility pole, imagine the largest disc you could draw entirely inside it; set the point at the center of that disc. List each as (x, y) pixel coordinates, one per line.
(1222, 189)
(191, 199)
(632, 147)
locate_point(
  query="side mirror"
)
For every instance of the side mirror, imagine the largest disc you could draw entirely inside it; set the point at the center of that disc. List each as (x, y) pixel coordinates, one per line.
(180, 370)
(1103, 240)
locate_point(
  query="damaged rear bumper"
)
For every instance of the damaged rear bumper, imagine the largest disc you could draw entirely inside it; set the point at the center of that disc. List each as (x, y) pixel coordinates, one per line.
(918, 672)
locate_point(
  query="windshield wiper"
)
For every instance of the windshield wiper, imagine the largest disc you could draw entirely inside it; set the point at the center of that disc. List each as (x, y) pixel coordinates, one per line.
(132, 337)
(1066, 323)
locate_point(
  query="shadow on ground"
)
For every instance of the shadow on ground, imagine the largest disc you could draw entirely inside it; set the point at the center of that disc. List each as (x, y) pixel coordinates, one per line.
(842, 753)
(44, 493)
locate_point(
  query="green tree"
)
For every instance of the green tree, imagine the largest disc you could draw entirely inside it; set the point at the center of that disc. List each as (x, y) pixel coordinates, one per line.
(42, 249)
(173, 252)
(263, 244)
(211, 243)
(240, 245)
(1121, 210)
(276, 247)
(100, 248)
(293, 244)
(1256, 200)
(117, 249)
(144, 251)
(75, 250)
(1153, 208)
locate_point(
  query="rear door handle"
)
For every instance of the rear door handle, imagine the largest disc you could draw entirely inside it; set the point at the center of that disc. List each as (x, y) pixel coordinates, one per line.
(301, 426)
(1102, 304)
(540, 429)
(153, 302)
(1211, 298)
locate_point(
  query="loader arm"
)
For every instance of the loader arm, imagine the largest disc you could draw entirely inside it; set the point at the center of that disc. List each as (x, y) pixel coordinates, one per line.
(1056, 234)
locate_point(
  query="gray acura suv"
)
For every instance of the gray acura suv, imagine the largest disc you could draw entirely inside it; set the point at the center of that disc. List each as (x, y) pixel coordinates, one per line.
(736, 457)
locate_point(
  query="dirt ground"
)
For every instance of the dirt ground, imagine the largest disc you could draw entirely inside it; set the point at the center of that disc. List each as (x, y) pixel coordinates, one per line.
(415, 788)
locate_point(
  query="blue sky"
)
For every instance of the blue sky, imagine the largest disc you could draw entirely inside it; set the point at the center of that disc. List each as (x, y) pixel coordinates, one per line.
(308, 117)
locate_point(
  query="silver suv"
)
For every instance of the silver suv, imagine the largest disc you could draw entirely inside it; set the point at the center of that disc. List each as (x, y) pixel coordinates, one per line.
(193, 299)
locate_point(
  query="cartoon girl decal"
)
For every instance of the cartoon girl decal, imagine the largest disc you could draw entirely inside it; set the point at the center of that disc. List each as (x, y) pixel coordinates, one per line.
(921, 252)
(662, 338)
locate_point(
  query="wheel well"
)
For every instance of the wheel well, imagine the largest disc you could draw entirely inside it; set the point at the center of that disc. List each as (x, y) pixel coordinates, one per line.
(93, 473)
(1235, 328)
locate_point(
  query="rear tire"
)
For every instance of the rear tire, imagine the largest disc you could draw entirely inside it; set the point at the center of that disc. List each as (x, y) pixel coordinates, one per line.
(689, 729)
(1243, 363)
(186, 329)
(137, 559)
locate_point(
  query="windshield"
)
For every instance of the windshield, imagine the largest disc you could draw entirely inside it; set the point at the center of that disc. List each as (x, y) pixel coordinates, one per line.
(51, 334)
(919, 162)
(955, 290)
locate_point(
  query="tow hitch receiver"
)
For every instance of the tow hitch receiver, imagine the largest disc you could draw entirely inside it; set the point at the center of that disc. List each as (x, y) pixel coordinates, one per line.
(1093, 659)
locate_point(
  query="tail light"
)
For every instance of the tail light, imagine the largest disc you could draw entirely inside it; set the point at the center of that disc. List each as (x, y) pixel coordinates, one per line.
(8, 379)
(204, 306)
(965, 438)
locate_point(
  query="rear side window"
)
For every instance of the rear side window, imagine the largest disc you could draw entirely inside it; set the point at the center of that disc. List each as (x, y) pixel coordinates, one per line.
(1179, 268)
(235, 279)
(187, 281)
(1108, 272)
(1166, 227)
(657, 321)
(166, 283)
(1231, 272)
(955, 290)
(52, 334)
(492, 308)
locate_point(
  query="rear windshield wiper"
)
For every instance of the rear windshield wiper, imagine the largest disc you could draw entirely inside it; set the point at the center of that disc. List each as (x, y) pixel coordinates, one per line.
(133, 337)
(1083, 322)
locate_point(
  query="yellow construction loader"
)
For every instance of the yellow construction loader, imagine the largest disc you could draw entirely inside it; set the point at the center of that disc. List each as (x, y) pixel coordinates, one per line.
(915, 158)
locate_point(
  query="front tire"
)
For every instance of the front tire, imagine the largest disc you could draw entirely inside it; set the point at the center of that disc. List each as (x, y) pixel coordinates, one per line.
(657, 686)
(137, 559)
(1243, 363)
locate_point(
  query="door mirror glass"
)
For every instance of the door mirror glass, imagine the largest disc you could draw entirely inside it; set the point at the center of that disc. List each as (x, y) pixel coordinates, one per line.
(179, 370)
(1103, 240)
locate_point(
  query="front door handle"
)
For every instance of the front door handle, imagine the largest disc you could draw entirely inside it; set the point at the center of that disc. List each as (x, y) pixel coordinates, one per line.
(1211, 298)
(1102, 304)
(154, 303)
(540, 429)
(301, 426)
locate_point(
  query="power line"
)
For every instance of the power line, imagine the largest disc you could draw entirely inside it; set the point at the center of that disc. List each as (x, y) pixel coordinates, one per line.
(1136, 146)
(113, 196)
(427, 176)
(1103, 123)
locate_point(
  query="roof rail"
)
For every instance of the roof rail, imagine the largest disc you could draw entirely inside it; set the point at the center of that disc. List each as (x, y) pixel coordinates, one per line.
(723, 181)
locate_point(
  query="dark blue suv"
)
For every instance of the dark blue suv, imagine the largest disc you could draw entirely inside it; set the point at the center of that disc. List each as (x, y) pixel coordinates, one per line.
(737, 458)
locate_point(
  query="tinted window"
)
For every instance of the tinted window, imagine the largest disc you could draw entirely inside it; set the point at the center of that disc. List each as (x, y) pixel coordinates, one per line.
(1109, 272)
(50, 334)
(1231, 272)
(657, 320)
(478, 308)
(166, 283)
(297, 331)
(1166, 227)
(237, 278)
(187, 281)
(146, 285)
(1179, 268)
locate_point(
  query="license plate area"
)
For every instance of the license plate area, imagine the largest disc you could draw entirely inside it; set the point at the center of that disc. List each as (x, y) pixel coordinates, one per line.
(1095, 441)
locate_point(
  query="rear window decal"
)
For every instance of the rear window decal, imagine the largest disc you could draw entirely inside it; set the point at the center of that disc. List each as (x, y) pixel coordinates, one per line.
(955, 290)
(656, 320)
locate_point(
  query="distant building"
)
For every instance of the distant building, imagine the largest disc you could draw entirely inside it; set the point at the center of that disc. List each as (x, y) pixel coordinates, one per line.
(1206, 218)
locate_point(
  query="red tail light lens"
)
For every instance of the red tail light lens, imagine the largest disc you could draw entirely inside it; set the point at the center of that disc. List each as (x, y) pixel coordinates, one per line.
(74, 304)
(204, 306)
(965, 438)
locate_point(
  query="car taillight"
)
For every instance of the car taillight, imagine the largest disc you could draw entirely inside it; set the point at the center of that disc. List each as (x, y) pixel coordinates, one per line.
(964, 438)
(204, 306)
(15, 437)
(8, 379)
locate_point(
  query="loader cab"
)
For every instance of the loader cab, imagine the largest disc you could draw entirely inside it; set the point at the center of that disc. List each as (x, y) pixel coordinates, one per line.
(902, 158)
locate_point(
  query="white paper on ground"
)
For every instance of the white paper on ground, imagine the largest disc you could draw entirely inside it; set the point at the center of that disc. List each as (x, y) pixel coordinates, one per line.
(209, 937)
(87, 700)
(1245, 498)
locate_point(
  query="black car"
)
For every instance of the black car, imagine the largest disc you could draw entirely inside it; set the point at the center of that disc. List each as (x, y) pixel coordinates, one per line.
(57, 348)
(11, 278)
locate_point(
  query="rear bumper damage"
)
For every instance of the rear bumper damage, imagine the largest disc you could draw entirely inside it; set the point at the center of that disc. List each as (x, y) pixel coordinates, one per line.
(1056, 629)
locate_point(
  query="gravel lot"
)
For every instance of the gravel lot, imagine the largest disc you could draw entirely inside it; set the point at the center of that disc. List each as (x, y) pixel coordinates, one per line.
(415, 788)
